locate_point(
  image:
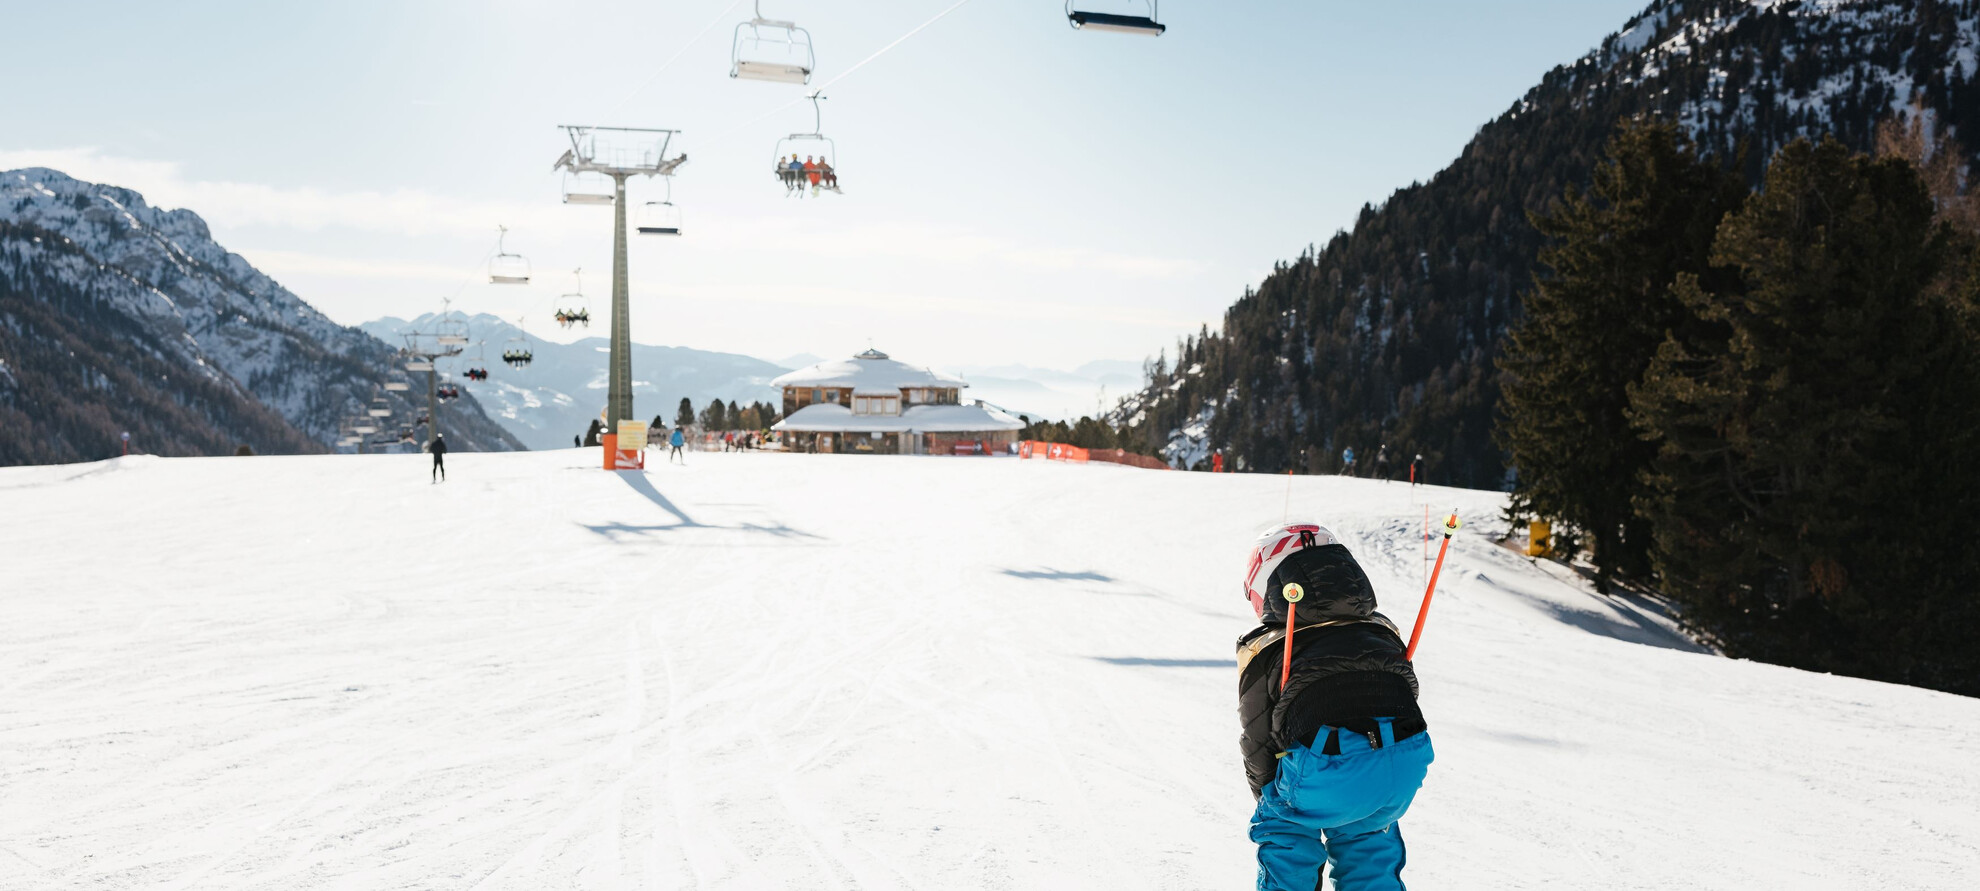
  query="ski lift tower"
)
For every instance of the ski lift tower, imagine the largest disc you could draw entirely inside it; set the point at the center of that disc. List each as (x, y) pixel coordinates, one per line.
(447, 337)
(616, 153)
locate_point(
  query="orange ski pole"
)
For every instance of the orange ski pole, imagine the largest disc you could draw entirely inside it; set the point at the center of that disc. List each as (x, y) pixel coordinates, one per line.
(1451, 525)
(1294, 593)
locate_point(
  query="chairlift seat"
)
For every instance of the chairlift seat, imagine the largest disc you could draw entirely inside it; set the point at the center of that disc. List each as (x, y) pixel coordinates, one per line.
(772, 72)
(772, 51)
(419, 365)
(397, 386)
(508, 269)
(590, 198)
(659, 218)
(453, 340)
(1119, 24)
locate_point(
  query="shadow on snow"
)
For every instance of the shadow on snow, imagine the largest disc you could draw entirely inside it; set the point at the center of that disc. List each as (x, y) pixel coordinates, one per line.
(1166, 663)
(639, 483)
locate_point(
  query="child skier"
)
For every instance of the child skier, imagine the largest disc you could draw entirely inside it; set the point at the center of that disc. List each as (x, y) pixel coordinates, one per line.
(1334, 745)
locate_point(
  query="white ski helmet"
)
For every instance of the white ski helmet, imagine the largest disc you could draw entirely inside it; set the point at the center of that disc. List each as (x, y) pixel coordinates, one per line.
(1271, 548)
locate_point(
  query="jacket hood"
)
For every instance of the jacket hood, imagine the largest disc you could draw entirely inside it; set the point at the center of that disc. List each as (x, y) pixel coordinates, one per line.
(1335, 587)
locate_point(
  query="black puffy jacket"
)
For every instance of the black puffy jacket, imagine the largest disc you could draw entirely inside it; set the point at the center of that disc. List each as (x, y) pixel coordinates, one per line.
(1347, 663)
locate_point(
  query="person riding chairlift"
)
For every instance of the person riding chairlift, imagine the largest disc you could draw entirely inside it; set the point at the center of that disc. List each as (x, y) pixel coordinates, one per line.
(811, 174)
(830, 176)
(794, 172)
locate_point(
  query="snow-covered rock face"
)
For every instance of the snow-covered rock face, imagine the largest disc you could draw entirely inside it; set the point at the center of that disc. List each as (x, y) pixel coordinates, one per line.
(227, 315)
(1818, 65)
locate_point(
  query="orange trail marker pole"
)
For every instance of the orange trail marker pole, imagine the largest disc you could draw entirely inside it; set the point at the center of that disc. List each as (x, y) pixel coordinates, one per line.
(1293, 594)
(1450, 526)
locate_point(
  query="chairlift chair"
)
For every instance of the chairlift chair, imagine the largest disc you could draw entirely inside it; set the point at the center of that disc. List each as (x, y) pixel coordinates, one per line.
(419, 363)
(365, 427)
(772, 51)
(660, 217)
(506, 268)
(572, 309)
(814, 144)
(397, 386)
(452, 333)
(519, 355)
(589, 188)
(379, 408)
(1145, 26)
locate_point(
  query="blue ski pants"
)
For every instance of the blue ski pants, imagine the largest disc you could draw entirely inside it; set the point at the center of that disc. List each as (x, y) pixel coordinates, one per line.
(1340, 810)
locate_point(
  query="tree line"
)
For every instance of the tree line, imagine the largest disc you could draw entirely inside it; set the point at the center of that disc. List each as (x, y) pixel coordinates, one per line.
(1764, 402)
(720, 417)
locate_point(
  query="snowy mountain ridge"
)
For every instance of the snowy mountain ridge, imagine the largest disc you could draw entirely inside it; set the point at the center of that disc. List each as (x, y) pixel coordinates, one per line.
(217, 311)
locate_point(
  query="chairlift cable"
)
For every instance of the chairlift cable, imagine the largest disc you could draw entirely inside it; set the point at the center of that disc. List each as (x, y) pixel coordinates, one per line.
(718, 19)
(848, 72)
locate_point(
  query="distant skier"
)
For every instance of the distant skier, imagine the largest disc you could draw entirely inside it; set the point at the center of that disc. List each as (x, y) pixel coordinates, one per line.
(676, 441)
(439, 450)
(1416, 470)
(1347, 461)
(1382, 463)
(1336, 756)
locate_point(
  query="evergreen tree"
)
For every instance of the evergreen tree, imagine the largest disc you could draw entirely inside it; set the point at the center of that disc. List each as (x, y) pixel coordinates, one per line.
(1813, 430)
(715, 418)
(732, 416)
(1592, 327)
(684, 416)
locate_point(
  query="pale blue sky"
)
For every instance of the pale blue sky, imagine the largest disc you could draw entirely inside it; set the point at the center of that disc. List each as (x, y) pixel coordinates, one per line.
(1016, 191)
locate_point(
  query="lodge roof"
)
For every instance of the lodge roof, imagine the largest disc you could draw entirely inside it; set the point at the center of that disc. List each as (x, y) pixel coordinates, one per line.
(831, 417)
(870, 373)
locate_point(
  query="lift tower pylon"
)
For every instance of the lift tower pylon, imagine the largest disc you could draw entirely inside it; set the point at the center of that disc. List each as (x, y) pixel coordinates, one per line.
(616, 153)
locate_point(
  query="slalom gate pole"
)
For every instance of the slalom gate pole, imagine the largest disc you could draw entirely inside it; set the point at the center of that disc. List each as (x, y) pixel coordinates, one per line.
(1451, 525)
(1293, 593)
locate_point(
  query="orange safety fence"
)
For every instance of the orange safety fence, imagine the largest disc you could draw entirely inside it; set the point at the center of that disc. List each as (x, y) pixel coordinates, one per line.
(1058, 451)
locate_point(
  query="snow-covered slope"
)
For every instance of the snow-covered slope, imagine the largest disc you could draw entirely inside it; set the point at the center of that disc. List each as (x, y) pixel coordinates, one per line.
(563, 387)
(787, 671)
(217, 312)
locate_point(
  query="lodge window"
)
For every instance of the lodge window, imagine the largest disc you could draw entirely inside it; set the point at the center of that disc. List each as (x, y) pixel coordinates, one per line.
(876, 405)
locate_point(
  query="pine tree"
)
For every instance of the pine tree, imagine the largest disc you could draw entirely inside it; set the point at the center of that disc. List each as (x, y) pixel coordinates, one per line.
(1592, 328)
(684, 416)
(715, 417)
(1813, 430)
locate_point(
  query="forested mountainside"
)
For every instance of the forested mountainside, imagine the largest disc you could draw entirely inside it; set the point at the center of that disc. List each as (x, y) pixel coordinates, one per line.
(88, 353)
(118, 316)
(1388, 333)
